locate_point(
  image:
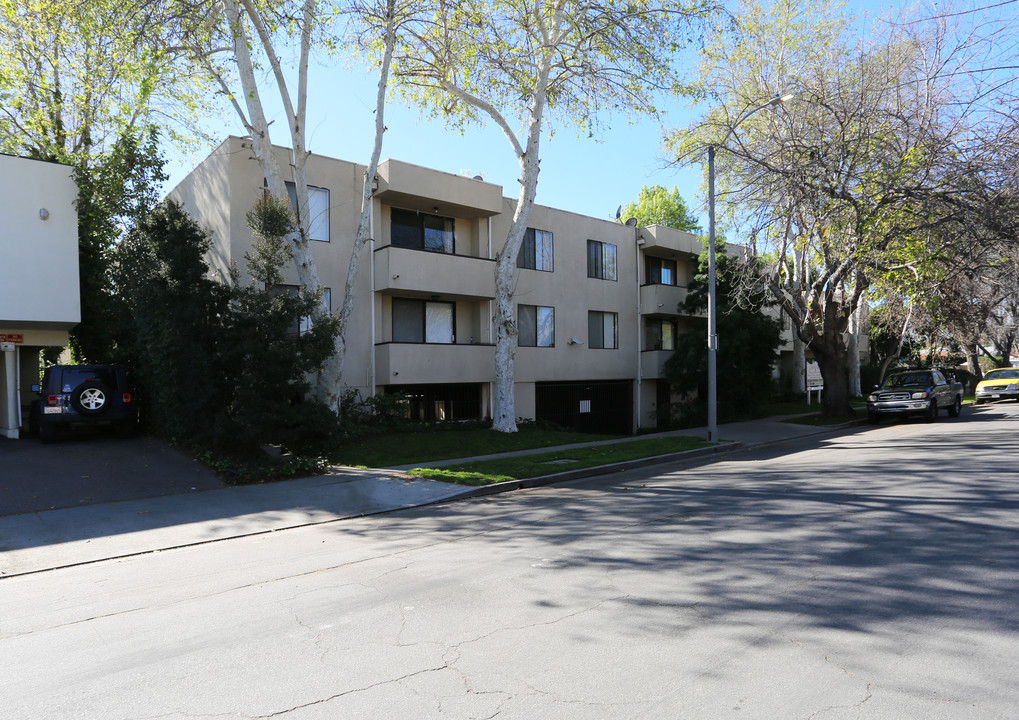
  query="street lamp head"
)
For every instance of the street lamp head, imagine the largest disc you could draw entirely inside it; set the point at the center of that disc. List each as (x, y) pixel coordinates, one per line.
(778, 99)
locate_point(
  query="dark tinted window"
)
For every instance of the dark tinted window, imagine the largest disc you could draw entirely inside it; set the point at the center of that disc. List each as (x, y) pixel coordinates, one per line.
(71, 377)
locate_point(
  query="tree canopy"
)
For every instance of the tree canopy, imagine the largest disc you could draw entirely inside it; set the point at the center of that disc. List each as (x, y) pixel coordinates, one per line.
(879, 151)
(532, 67)
(657, 206)
(748, 351)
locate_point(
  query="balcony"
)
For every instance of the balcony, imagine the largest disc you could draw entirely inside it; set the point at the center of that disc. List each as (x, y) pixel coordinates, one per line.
(661, 300)
(408, 272)
(416, 188)
(667, 242)
(652, 363)
(419, 363)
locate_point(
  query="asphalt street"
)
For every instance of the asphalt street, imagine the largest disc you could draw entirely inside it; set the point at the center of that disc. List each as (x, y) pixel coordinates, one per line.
(865, 574)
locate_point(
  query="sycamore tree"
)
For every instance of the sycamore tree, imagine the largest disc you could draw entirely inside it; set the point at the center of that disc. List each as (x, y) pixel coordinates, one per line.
(86, 83)
(529, 67)
(879, 147)
(242, 37)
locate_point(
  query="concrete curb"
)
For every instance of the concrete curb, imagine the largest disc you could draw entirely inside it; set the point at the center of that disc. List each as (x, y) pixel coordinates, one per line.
(568, 475)
(147, 542)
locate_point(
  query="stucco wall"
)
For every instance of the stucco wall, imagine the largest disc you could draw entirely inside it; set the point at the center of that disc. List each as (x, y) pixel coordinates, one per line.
(39, 246)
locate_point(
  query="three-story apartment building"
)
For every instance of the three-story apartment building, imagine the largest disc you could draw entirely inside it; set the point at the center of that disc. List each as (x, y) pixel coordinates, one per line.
(596, 301)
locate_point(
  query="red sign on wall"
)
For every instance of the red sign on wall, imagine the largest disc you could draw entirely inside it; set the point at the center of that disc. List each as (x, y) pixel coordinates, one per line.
(12, 338)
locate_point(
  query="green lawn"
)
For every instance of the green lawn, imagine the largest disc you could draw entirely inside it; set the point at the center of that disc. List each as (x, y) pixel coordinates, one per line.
(446, 444)
(530, 466)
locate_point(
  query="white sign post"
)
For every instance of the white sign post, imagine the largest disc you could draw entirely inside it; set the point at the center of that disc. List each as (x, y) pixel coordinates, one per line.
(814, 381)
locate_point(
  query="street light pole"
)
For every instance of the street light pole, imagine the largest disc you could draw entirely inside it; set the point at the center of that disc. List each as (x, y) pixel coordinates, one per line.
(712, 306)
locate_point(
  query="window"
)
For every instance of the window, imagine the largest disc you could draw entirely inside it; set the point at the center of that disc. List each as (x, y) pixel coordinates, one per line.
(318, 209)
(660, 271)
(303, 325)
(536, 250)
(659, 334)
(420, 321)
(601, 260)
(536, 325)
(602, 330)
(421, 231)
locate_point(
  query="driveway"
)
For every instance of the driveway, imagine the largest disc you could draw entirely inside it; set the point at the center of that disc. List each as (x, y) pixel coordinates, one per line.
(92, 469)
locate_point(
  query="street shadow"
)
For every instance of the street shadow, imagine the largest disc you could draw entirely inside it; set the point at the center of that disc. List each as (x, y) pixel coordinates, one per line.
(897, 532)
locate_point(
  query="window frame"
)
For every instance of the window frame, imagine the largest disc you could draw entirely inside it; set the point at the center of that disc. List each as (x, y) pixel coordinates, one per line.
(529, 257)
(424, 326)
(536, 331)
(596, 319)
(598, 263)
(315, 219)
(304, 324)
(420, 226)
(650, 278)
(660, 323)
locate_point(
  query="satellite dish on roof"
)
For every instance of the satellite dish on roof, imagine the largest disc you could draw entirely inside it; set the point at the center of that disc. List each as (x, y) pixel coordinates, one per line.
(478, 177)
(619, 211)
(631, 222)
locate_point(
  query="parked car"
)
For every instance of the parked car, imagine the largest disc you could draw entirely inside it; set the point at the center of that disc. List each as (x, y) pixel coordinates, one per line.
(72, 396)
(1000, 384)
(906, 392)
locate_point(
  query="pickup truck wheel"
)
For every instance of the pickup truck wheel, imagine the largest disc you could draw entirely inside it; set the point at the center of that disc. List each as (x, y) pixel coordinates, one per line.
(932, 412)
(956, 408)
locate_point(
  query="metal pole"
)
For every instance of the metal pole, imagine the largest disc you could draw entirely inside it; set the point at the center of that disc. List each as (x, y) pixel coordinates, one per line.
(712, 334)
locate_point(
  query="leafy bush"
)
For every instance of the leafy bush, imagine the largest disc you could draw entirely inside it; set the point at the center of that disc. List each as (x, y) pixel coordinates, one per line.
(220, 365)
(747, 350)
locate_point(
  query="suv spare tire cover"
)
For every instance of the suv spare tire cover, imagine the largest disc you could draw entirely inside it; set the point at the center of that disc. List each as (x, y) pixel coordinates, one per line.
(90, 398)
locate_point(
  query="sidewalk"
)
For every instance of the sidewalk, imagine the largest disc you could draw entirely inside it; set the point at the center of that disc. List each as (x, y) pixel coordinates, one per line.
(34, 542)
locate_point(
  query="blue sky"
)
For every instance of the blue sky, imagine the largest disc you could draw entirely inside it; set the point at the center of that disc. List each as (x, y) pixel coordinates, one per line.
(590, 176)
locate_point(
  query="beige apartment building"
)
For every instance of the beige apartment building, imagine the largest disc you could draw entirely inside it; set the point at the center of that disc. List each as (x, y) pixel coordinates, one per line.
(39, 297)
(596, 300)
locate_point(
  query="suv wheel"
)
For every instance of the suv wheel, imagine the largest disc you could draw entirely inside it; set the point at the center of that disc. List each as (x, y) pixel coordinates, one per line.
(956, 408)
(932, 412)
(90, 398)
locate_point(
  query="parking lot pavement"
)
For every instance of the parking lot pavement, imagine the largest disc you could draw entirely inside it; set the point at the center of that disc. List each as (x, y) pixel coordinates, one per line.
(93, 468)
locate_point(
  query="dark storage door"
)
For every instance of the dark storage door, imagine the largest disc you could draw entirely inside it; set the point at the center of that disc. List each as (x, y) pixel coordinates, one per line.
(604, 407)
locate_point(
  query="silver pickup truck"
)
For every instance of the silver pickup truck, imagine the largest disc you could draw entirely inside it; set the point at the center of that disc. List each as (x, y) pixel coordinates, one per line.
(922, 392)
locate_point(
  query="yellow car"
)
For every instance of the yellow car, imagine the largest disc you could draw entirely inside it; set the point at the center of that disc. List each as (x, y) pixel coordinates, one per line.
(999, 384)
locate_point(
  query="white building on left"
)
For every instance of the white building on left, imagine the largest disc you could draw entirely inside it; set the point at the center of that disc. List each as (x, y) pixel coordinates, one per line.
(39, 294)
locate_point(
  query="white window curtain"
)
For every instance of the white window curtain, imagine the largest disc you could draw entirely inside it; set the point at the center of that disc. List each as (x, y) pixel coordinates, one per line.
(438, 322)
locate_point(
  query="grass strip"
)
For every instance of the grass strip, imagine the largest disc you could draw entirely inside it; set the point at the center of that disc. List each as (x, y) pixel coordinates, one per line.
(411, 447)
(519, 467)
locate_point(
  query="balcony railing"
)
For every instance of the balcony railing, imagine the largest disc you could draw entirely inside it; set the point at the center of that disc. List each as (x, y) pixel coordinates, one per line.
(664, 300)
(410, 363)
(659, 238)
(404, 270)
(652, 363)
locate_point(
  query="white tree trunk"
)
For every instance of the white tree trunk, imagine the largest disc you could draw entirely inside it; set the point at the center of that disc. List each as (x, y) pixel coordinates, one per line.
(799, 365)
(853, 348)
(334, 366)
(799, 347)
(506, 330)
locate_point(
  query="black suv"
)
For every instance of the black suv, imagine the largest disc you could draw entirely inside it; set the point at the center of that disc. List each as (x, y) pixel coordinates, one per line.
(76, 395)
